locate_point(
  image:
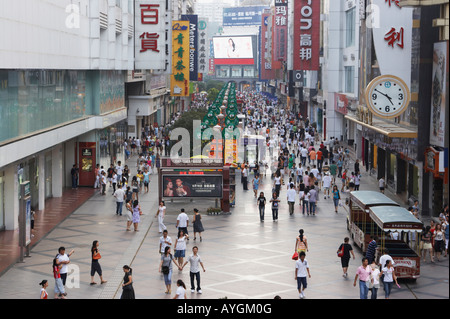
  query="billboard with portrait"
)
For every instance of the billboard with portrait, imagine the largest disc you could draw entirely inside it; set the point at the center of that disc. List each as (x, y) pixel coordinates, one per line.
(233, 50)
(191, 186)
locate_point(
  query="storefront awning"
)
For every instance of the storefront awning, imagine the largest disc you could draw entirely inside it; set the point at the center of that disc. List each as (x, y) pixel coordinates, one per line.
(386, 128)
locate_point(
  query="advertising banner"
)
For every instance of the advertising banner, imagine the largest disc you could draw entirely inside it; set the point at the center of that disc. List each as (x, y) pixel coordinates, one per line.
(193, 45)
(242, 16)
(203, 46)
(192, 184)
(179, 79)
(233, 50)
(149, 43)
(438, 94)
(266, 71)
(306, 35)
(280, 33)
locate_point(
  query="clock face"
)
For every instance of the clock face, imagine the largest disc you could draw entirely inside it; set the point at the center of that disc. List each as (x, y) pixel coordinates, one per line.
(387, 96)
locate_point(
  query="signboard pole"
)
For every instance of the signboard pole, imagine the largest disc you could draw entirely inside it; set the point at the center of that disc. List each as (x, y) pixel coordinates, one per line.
(24, 220)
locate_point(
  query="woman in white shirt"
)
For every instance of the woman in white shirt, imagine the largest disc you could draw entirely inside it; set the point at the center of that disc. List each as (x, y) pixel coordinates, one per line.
(389, 277)
(375, 282)
(181, 290)
(180, 247)
(161, 213)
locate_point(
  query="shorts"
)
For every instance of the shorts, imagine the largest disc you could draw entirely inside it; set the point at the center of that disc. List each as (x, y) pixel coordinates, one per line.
(381, 188)
(301, 281)
(179, 253)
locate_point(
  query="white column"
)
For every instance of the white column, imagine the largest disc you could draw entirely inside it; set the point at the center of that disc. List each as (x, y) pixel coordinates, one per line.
(57, 171)
(41, 181)
(12, 196)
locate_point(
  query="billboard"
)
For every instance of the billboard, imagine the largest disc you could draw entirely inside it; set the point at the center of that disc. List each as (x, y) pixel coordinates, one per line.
(191, 184)
(193, 43)
(179, 79)
(243, 16)
(280, 30)
(149, 43)
(233, 50)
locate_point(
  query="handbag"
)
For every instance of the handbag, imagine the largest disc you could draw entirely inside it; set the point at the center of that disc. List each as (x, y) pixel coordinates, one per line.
(341, 252)
(97, 257)
(295, 256)
(165, 270)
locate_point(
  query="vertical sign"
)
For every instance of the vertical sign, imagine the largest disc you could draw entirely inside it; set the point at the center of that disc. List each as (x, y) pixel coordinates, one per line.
(266, 49)
(306, 35)
(179, 79)
(149, 38)
(203, 49)
(280, 30)
(438, 94)
(193, 43)
(212, 69)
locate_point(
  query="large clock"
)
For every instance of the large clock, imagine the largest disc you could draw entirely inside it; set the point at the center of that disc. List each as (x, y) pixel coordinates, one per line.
(387, 96)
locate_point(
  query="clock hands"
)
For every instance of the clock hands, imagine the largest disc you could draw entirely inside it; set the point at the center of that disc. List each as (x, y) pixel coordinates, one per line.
(387, 96)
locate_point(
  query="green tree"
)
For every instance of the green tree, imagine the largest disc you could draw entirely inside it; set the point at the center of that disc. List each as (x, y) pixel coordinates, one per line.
(212, 94)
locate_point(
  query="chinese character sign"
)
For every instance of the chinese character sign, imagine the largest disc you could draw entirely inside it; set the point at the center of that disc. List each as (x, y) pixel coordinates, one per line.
(150, 34)
(280, 30)
(203, 46)
(179, 80)
(306, 34)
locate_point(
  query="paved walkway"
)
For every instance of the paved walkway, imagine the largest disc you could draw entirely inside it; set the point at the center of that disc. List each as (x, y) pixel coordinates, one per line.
(244, 258)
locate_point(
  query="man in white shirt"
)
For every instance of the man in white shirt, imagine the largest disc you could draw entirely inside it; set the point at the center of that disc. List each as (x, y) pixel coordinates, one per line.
(304, 155)
(326, 184)
(164, 241)
(182, 222)
(301, 272)
(119, 172)
(315, 171)
(291, 193)
(63, 259)
(195, 261)
(119, 194)
(244, 177)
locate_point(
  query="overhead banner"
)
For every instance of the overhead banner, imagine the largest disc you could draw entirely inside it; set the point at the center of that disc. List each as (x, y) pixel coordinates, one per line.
(193, 44)
(149, 43)
(280, 30)
(306, 35)
(179, 79)
(438, 94)
(242, 16)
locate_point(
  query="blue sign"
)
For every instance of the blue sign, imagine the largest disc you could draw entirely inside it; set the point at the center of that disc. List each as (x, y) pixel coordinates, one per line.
(240, 16)
(193, 45)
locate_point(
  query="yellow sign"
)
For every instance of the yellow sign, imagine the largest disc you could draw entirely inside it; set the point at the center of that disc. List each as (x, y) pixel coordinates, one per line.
(179, 79)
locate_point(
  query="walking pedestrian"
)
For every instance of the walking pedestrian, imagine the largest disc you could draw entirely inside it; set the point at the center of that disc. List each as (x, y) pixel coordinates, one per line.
(345, 258)
(180, 246)
(301, 243)
(129, 213)
(95, 265)
(363, 274)
(375, 280)
(438, 237)
(426, 244)
(291, 194)
(326, 184)
(127, 285)
(161, 214)
(74, 172)
(301, 272)
(43, 294)
(275, 204)
(63, 259)
(277, 183)
(136, 215)
(312, 200)
(119, 194)
(103, 182)
(194, 272)
(182, 222)
(381, 184)
(165, 267)
(372, 249)
(244, 178)
(60, 292)
(164, 241)
(261, 202)
(389, 278)
(181, 290)
(336, 197)
(197, 224)
(256, 182)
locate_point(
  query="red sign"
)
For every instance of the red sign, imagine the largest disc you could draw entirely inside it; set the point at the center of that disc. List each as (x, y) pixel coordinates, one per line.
(394, 37)
(306, 34)
(149, 13)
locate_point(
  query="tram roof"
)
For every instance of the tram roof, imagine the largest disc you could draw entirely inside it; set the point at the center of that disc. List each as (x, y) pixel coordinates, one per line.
(395, 218)
(371, 198)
